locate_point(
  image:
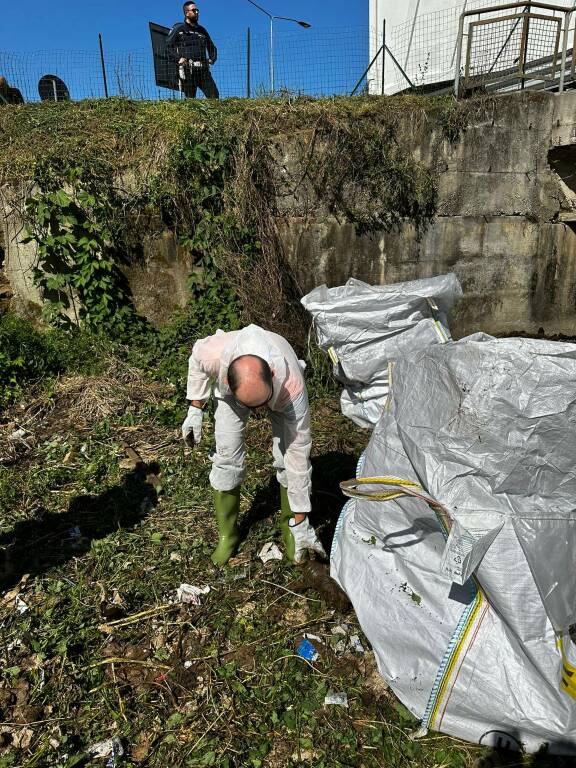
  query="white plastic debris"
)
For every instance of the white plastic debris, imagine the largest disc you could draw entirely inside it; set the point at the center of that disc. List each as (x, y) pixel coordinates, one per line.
(336, 699)
(18, 434)
(20, 605)
(109, 748)
(308, 636)
(356, 644)
(188, 593)
(269, 552)
(340, 629)
(348, 642)
(341, 647)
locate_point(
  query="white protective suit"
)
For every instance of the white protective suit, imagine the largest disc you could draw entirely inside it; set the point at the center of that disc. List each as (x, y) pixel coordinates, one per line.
(288, 409)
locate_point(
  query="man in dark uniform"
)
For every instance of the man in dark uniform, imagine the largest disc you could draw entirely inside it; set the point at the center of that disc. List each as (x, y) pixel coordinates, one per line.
(194, 52)
(9, 95)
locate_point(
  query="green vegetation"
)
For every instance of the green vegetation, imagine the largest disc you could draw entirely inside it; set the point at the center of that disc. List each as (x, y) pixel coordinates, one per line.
(28, 355)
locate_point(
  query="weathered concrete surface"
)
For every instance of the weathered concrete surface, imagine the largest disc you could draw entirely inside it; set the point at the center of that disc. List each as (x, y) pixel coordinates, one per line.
(19, 258)
(158, 282)
(505, 224)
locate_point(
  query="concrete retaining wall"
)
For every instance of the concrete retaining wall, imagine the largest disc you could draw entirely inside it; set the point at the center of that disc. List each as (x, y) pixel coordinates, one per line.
(505, 224)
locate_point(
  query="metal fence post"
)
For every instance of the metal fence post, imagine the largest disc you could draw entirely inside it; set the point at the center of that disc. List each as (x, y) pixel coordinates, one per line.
(567, 17)
(248, 63)
(524, 46)
(383, 53)
(103, 64)
(459, 40)
(368, 68)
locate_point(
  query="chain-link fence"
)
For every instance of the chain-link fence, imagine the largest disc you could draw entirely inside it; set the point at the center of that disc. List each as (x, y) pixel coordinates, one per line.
(424, 48)
(315, 62)
(427, 50)
(495, 45)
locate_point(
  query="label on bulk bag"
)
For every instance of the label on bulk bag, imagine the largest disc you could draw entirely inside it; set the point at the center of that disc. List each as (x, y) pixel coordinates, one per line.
(464, 551)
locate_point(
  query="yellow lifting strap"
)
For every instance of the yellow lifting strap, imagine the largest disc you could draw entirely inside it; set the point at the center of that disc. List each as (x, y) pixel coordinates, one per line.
(568, 680)
(398, 487)
(352, 488)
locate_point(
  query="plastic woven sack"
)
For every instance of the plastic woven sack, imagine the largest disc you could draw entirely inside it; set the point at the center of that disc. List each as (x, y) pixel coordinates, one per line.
(463, 574)
(364, 327)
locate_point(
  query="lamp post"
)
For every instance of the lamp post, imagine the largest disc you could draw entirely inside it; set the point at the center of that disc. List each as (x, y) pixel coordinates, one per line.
(273, 18)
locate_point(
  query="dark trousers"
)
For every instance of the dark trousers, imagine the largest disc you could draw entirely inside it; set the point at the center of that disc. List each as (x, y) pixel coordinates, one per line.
(199, 77)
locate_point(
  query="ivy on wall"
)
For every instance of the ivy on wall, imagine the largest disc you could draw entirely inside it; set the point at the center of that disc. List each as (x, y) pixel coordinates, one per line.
(73, 228)
(206, 170)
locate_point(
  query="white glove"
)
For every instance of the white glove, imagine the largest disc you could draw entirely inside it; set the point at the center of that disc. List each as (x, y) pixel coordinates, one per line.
(305, 539)
(192, 425)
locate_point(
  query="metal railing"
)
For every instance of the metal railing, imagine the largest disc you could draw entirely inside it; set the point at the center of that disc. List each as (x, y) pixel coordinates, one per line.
(522, 43)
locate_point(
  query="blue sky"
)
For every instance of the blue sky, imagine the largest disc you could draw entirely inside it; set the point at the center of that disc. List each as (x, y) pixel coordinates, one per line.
(63, 36)
(68, 24)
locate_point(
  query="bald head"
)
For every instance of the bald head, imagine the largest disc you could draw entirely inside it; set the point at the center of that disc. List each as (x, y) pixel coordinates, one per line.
(250, 380)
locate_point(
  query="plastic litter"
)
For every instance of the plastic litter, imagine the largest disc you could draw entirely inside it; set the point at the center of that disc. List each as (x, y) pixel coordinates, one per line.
(111, 748)
(356, 644)
(336, 699)
(308, 636)
(347, 642)
(189, 594)
(269, 552)
(365, 327)
(461, 574)
(307, 651)
(20, 606)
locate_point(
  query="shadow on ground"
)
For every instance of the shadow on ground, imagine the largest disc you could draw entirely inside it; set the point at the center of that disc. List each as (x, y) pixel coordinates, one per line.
(504, 758)
(49, 540)
(328, 471)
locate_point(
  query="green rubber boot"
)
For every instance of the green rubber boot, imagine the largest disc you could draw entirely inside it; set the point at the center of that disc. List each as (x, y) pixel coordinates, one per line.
(227, 507)
(285, 515)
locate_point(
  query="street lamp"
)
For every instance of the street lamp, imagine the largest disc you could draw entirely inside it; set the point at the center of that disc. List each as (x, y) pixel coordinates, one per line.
(272, 18)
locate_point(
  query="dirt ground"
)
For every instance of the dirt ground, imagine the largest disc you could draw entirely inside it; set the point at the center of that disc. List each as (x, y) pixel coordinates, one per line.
(103, 515)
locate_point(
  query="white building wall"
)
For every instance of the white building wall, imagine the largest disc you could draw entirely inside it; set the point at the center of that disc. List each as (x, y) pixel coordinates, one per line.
(421, 34)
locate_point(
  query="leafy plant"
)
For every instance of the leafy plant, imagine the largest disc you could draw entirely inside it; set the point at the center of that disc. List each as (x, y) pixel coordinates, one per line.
(75, 269)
